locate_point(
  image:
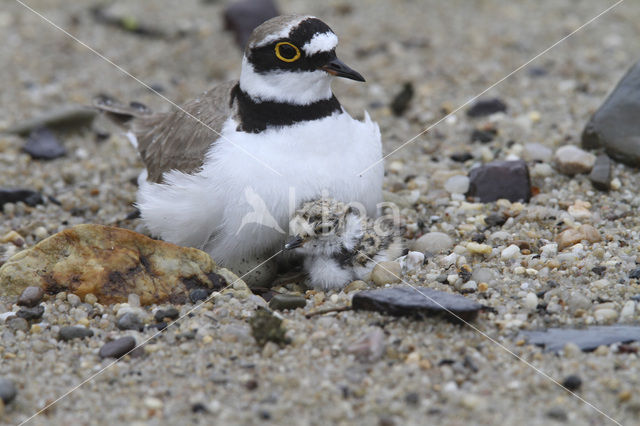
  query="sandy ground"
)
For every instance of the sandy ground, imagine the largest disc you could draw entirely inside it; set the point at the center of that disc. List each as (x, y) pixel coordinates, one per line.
(431, 372)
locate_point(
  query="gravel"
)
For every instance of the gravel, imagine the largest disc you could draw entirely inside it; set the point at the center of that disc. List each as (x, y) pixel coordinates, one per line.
(450, 51)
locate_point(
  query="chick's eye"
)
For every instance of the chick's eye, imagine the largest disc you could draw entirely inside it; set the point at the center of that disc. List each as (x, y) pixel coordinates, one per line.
(287, 52)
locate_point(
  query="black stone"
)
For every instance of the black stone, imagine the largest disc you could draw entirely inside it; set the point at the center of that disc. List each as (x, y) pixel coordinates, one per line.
(461, 157)
(572, 382)
(635, 273)
(280, 302)
(8, 390)
(199, 407)
(242, 17)
(198, 295)
(495, 219)
(74, 332)
(419, 301)
(558, 414)
(402, 100)
(27, 196)
(600, 175)
(32, 313)
(615, 125)
(42, 144)
(485, 107)
(130, 321)
(482, 136)
(587, 339)
(30, 296)
(171, 313)
(117, 348)
(500, 179)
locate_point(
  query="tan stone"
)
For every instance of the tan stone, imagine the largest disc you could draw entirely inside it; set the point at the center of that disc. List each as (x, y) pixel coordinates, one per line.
(572, 236)
(112, 263)
(386, 272)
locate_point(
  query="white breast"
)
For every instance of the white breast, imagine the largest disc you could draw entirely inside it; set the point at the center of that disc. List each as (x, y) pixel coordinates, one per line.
(236, 207)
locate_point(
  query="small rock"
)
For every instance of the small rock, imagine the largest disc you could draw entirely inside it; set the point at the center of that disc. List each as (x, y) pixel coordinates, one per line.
(572, 236)
(32, 313)
(73, 332)
(266, 327)
(14, 238)
(587, 339)
(572, 382)
(536, 152)
(27, 196)
(402, 100)
(133, 300)
(578, 301)
(476, 248)
(355, 286)
(571, 160)
(495, 219)
(130, 321)
(432, 242)
(411, 261)
(483, 136)
(73, 299)
(557, 413)
(531, 301)
(634, 274)
(242, 17)
(615, 125)
(8, 390)
(117, 348)
(199, 294)
(461, 157)
(171, 313)
(420, 301)
(580, 210)
(280, 302)
(17, 324)
(510, 252)
(386, 273)
(42, 144)
(600, 175)
(500, 179)
(457, 184)
(605, 315)
(31, 296)
(369, 347)
(485, 107)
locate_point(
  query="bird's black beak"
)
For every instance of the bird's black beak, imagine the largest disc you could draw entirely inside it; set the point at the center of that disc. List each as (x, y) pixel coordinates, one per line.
(339, 69)
(294, 242)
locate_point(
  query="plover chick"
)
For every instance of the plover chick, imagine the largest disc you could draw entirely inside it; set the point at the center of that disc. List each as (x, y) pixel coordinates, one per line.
(269, 140)
(339, 243)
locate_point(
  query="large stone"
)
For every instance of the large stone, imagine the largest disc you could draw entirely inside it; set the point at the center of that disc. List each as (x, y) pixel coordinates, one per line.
(112, 263)
(587, 339)
(27, 196)
(42, 144)
(500, 179)
(419, 301)
(615, 125)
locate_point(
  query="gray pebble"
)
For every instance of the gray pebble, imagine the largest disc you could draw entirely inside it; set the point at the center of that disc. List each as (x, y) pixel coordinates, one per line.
(198, 294)
(31, 296)
(600, 175)
(117, 348)
(281, 302)
(171, 313)
(74, 332)
(17, 324)
(33, 313)
(130, 321)
(7, 390)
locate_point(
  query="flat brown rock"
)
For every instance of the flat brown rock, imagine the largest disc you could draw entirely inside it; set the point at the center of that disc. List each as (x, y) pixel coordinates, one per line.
(111, 263)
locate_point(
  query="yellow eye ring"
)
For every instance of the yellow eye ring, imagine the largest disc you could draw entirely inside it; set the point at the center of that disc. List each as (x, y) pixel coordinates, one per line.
(282, 58)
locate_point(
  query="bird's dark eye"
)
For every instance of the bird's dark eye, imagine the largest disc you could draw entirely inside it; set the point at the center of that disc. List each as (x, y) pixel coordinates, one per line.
(287, 52)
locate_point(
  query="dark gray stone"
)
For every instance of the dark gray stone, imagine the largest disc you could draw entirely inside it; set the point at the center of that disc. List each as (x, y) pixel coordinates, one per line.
(32, 313)
(17, 324)
(42, 144)
(27, 196)
(587, 339)
(171, 313)
(117, 348)
(600, 175)
(402, 100)
(500, 179)
(74, 332)
(199, 294)
(242, 17)
(485, 107)
(130, 321)
(572, 382)
(31, 296)
(635, 273)
(8, 390)
(558, 414)
(421, 301)
(281, 302)
(615, 125)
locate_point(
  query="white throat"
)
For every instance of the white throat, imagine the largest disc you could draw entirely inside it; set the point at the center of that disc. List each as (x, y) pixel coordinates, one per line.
(298, 88)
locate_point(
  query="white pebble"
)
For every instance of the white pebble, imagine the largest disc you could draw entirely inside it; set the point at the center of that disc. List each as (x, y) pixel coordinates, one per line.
(457, 184)
(628, 310)
(510, 252)
(531, 301)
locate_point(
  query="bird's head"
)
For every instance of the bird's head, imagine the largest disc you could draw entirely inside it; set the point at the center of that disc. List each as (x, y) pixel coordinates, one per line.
(292, 59)
(324, 227)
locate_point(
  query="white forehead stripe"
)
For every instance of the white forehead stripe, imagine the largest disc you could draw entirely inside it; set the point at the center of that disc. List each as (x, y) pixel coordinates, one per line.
(321, 42)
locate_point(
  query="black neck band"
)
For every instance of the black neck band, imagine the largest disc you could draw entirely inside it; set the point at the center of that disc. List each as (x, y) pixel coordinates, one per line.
(258, 116)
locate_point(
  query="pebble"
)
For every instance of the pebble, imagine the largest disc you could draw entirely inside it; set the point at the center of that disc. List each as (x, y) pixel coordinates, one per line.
(355, 286)
(457, 184)
(628, 310)
(42, 144)
(571, 160)
(8, 390)
(536, 152)
(557, 413)
(73, 332)
(500, 179)
(510, 252)
(14, 238)
(90, 298)
(401, 101)
(32, 313)
(634, 274)
(587, 339)
(600, 175)
(133, 300)
(30, 296)
(171, 313)
(198, 294)
(572, 236)
(580, 210)
(370, 347)
(605, 315)
(117, 348)
(130, 321)
(17, 324)
(386, 272)
(615, 125)
(531, 301)
(241, 17)
(484, 107)
(432, 242)
(572, 382)
(73, 299)
(27, 196)
(280, 302)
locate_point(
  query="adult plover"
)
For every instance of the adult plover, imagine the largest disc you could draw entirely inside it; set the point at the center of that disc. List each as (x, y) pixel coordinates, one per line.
(340, 243)
(281, 137)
